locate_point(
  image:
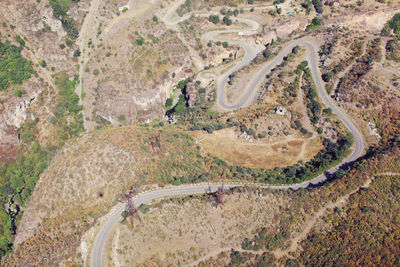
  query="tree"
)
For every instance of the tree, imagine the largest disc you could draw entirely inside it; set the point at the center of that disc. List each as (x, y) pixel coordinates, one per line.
(267, 53)
(327, 76)
(42, 63)
(68, 42)
(316, 21)
(214, 19)
(227, 20)
(77, 53)
(318, 6)
(155, 19)
(168, 103)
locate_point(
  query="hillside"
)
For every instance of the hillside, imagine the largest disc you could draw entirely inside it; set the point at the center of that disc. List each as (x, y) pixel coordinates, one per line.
(100, 97)
(338, 222)
(85, 179)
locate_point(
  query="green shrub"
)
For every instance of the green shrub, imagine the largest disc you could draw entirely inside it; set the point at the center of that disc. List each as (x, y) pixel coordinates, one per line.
(227, 20)
(14, 69)
(43, 63)
(168, 103)
(60, 9)
(214, 19)
(17, 183)
(77, 53)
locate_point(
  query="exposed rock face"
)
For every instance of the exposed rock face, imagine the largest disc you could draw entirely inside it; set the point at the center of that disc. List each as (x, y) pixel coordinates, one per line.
(42, 32)
(133, 79)
(282, 30)
(43, 18)
(13, 114)
(191, 94)
(19, 113)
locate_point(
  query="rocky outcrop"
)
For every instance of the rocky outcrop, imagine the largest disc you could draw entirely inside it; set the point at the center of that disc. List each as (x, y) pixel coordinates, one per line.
(191, 94)
(283, 30)
(19, 113)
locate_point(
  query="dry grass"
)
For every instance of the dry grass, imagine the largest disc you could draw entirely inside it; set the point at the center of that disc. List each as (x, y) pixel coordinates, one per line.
(84, 179)
(181, 233)
(285, 151)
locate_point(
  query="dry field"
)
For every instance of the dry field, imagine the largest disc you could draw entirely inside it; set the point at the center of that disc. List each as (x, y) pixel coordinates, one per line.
(178, 234)
(284, 151)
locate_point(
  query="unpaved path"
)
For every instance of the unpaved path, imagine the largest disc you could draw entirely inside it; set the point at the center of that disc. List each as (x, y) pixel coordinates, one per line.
(218, 251)
(88, 32)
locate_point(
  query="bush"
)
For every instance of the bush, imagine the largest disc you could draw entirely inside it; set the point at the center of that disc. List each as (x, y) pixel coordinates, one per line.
(43, 63)
(227, 20)
(168, 103)
(121, 117)
(327, 76)
(214, 19)
(20, 40)
(318, 6)
(18, 92)
(139, 41)
(60, 10)
(267, 53)
(315, 24)
(77, 53)
(328, 111)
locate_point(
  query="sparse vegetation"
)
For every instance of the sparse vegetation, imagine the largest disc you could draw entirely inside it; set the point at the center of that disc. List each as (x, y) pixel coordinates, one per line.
(60, 11)
(67, 114)
(185, 8)
(315, 24)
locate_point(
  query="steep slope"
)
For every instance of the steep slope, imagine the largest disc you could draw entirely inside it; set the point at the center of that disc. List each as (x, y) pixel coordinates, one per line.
(84, 180)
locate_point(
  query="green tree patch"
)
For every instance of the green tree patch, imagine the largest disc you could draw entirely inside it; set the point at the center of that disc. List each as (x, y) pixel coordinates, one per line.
(14, 69)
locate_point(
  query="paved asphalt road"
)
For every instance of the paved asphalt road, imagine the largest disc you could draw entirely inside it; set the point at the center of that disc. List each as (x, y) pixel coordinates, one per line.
(251, 51)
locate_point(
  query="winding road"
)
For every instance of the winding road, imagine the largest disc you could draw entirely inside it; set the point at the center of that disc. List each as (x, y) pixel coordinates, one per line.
(251, 51)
